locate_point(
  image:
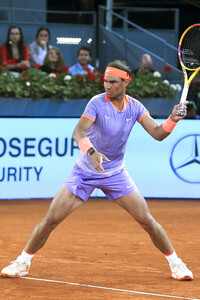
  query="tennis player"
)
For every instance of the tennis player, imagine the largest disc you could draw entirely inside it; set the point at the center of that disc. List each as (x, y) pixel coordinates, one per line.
(102, 133)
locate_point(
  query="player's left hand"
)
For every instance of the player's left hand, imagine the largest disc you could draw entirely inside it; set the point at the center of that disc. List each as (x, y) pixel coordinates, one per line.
(179, 112)
(97, 159)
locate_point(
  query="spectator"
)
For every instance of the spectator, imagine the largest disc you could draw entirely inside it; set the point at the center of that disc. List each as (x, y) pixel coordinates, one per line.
(194, 94)
(191, 110)
(14, 54)
(84, 56)
(145, 64)
(38, 49)
(53, 61)
(197, 98)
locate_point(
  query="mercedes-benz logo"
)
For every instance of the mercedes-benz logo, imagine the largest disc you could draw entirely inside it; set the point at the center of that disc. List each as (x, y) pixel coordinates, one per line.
(185, 158)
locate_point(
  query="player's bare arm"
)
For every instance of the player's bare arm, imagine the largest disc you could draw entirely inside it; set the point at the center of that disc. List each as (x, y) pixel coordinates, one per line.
(81, 128)
(157, 131)
(80, 132)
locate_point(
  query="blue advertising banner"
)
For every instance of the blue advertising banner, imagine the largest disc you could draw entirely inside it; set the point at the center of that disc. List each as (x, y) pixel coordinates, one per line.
(168, 168)
(37, 154)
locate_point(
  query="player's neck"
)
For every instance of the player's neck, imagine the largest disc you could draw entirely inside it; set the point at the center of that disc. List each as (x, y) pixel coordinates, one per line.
(118, 102)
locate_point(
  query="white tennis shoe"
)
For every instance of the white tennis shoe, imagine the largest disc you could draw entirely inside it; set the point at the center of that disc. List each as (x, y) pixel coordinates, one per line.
(180, 271)
(17, 268)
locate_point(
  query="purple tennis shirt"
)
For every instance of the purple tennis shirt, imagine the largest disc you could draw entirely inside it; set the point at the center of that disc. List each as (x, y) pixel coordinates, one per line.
(110, 131)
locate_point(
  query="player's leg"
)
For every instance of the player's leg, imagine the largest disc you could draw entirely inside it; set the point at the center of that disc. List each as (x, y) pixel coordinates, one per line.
(62, 205)
(135, 204)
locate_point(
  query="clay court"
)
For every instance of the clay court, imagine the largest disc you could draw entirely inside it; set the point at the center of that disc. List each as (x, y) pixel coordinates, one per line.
(99, 252)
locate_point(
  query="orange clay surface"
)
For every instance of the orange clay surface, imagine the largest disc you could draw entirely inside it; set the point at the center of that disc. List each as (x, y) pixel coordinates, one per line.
(100, 252)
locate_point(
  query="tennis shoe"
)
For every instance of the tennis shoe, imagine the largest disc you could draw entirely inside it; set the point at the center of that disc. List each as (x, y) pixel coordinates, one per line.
(180, 271)
(17, 268)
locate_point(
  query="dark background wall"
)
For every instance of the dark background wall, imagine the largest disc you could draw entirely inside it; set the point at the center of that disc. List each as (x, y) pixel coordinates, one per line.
(162, 24)
(189, 12)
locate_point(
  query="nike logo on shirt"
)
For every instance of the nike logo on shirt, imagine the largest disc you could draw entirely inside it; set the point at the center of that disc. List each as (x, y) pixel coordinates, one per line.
(107, 117)
(128, 186)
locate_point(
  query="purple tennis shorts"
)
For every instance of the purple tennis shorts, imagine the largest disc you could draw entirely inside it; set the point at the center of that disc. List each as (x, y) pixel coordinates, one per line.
(82, 184)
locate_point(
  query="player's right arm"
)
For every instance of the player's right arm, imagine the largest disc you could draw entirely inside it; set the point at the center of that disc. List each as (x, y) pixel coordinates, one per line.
(80, 130)
(79, 133)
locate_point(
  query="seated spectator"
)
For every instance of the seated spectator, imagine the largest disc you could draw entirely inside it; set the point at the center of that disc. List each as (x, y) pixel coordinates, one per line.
(84, 56)
(197, 98)
(53, 61)
(191, 110)
(14, 54)
(194, 93)
(38, 49)
(145, 64)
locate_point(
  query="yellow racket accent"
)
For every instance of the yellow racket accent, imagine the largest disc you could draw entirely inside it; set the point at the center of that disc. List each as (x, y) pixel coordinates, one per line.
(187, 80)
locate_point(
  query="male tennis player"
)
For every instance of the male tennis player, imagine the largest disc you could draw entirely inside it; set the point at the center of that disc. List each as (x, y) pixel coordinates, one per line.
(102, 134)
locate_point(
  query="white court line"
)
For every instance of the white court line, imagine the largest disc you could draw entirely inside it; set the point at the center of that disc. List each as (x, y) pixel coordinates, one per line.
(109, 288)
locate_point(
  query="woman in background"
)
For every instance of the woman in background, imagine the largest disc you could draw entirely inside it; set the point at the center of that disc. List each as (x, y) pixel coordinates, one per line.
(53, 61)
(14, 54)
(38, 49)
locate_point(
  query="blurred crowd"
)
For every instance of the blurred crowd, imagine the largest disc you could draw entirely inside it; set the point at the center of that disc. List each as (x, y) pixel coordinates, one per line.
(17, 56)
(193, 98)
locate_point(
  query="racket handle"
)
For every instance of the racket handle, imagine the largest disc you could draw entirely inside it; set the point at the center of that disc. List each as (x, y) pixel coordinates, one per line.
(184, 94)
(183, 98)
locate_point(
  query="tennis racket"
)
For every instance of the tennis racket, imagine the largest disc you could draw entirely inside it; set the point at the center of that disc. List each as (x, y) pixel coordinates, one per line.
(189, 57)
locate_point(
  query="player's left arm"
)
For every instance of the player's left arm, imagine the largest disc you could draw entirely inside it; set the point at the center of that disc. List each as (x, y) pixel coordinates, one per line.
(160, 132)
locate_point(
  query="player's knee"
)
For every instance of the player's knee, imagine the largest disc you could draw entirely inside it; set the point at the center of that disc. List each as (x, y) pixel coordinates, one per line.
(48, 224)
(149, 224)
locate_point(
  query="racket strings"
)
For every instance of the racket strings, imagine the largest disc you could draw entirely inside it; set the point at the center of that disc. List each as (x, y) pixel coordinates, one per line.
(190, 53)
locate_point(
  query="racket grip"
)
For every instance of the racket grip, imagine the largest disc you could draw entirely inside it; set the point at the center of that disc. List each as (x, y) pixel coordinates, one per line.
(182, 100)
(184, 94)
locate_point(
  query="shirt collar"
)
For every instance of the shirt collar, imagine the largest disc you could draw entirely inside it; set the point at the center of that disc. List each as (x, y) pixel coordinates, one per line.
(125, 99)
